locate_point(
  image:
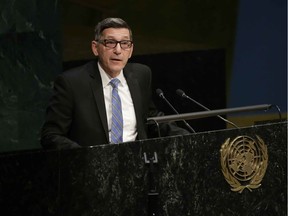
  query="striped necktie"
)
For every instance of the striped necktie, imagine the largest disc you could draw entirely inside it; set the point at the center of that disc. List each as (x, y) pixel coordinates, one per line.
(117, 119)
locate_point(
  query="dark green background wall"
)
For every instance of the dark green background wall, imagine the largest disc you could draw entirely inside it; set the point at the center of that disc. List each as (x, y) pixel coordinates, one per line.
(30, 57)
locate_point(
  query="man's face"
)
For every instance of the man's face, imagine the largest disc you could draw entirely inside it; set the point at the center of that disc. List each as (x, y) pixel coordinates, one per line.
(113, 60)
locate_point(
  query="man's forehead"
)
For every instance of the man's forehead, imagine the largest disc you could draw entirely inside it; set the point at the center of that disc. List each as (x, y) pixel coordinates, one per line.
(116, 31)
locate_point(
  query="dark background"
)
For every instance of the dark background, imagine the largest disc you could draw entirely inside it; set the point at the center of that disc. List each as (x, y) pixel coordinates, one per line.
(221, 53)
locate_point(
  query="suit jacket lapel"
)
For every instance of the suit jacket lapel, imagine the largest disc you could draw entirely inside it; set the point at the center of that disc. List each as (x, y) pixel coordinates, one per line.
(97, 89)
(135, 94)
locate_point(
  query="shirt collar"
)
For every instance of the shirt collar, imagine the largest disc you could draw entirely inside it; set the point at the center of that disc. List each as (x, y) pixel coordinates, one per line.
(107, 78)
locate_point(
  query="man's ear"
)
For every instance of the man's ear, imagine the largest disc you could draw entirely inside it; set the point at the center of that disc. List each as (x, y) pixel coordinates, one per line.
(131, 51)
(94, 47)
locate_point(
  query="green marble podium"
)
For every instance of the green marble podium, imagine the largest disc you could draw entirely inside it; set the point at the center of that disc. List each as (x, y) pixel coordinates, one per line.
(186, 179)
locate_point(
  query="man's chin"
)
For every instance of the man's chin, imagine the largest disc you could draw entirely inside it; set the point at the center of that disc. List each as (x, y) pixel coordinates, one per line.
(116, 70)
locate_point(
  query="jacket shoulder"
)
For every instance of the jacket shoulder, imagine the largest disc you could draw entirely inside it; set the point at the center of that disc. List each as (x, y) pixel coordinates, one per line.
(138, 71)
(137, 67)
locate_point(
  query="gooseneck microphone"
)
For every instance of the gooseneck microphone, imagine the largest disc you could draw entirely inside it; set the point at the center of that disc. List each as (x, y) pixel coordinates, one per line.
(160, 93)
(181, 93)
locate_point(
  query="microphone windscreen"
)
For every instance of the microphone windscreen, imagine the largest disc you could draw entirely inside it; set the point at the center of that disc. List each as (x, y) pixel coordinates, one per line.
(180, 92)
(159, 92)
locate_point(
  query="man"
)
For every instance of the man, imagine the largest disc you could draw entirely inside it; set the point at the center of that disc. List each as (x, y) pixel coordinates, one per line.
(82, 110)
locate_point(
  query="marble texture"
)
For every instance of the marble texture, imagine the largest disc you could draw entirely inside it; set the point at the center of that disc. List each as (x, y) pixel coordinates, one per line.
(30, 58)
(115, 180)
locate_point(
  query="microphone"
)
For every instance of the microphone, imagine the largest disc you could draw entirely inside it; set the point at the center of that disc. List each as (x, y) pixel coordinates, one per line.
(160, 93)
(181, 93)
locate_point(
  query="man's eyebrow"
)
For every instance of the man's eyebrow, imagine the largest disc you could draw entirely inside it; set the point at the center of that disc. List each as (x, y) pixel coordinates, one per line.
(113, 37)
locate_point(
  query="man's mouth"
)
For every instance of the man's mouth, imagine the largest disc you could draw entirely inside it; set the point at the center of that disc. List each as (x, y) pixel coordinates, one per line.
(114, 59)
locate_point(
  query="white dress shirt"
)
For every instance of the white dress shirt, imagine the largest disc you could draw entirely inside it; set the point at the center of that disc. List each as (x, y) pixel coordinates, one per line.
(128, 112)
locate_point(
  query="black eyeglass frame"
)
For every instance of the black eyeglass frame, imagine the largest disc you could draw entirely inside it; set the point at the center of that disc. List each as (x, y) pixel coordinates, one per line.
(115, 42)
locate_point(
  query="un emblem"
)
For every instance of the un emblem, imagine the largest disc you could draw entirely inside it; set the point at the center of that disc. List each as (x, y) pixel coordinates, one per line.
(244, 162)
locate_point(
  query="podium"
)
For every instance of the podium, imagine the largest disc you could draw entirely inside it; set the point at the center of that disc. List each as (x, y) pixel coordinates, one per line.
(179, 175)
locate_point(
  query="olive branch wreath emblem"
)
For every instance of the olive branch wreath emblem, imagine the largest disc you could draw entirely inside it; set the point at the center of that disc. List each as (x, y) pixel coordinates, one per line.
(244, 162)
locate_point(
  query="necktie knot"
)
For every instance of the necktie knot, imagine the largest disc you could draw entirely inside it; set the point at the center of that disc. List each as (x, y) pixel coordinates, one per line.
(115, 82)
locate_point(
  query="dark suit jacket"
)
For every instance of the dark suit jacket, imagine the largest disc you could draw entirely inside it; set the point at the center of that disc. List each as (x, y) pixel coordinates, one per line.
(76, 114)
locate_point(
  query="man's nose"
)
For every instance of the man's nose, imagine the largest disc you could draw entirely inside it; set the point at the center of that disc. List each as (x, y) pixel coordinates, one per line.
(118, 48)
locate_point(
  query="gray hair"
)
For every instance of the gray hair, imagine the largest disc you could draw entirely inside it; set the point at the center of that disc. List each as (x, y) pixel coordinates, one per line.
(110, 23)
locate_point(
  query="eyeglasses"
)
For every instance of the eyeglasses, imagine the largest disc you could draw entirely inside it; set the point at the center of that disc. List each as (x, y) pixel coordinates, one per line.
(124, 44)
